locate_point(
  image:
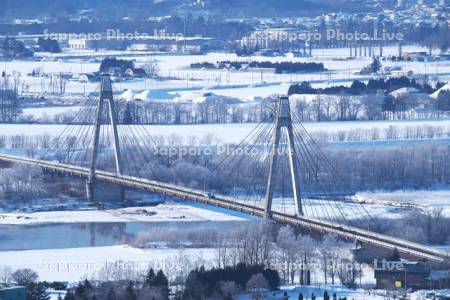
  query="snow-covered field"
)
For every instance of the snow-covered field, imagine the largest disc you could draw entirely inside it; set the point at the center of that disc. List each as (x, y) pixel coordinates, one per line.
(49, 112)
(230, 133)
(427, 200)
(76, 264)
(318, 291)
(175, 211)
(222, 82)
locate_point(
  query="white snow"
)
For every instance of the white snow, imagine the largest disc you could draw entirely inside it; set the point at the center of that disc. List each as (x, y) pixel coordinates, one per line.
(175, 211)
(446, 87)
(318, 291)
(76, 264)
(421, 199)
(341, 71)
(229, 133)
(49, 112)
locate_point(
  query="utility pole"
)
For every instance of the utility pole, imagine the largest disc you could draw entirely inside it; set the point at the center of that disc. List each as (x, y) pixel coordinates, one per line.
(106, 98)
(283, 125)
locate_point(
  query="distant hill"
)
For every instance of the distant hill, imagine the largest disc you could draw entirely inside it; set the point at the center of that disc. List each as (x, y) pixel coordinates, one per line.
(10, 9)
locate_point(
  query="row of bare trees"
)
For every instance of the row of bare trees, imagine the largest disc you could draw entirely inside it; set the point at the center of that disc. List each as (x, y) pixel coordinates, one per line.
(298, 258)
(366, 107)
(307, 107)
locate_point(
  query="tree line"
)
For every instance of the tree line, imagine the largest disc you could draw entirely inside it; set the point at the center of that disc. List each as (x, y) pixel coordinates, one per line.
(360, 88)
(279, 67)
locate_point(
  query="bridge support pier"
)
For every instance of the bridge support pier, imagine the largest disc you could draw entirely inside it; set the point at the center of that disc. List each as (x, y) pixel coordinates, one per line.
(99, 192)
(283, 124)
(90, 191)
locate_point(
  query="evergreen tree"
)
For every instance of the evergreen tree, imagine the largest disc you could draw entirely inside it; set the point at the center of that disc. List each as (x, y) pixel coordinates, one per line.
(69, 296)
(358, 86)
(150, 278)
(80, 291)
(48, 45)
(375, 66)
(130, 293)
(161, 279)
(162, 282)
(111, 294)
(128, 118)
(87, 285)
(38, 291)
(395, 255)
(443, 100)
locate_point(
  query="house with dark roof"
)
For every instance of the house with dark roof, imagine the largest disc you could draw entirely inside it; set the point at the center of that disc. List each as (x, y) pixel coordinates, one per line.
(393, 275)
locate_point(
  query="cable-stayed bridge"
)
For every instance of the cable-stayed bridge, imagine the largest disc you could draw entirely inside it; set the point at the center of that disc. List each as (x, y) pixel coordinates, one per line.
(277, 172)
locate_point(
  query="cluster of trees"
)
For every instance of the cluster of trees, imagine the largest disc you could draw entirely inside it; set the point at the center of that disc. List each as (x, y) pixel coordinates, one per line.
(373, 68)
(227, 282)
(137, 112)
(437, 36)
(48, 45)
(216, 9)
(366, 107)
(400, 166)
(426, 227)
(27, 278)
(110, 64)
(373, 134)
(10, 110)
(367, 102)
(11, 85)
(21, 182)
(360, 88)
(297, 258)
(13, 48)
(151, 286)
(272, 256)
(280, 67)
(318, 108)
(193, 113)
(394, 167)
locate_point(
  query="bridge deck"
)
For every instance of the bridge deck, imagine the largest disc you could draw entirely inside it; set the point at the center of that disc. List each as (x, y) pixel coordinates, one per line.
(347, 232)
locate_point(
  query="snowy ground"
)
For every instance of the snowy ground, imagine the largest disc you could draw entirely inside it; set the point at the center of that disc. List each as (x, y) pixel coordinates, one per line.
(422, 199)
(79, 263)
(161, 213)
(49, 112)
(318, 291)
(230, 133)
(341, 71)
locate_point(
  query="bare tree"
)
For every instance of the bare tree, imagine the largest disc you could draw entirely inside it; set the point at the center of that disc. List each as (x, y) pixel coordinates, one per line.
(24, 276)
(6, 275)
(256, 285)
(152, 69)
